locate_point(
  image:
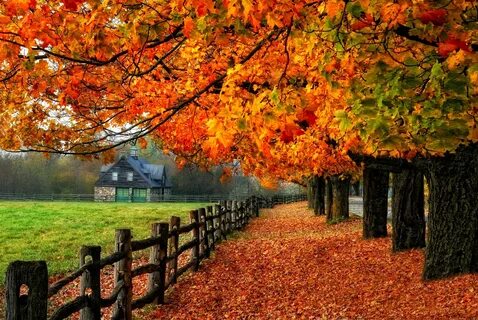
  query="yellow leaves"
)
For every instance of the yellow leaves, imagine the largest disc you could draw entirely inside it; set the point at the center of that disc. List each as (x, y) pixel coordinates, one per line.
(394, 13)
(269, 183)
(247, 5)
(220, 138)
(456, 59)
(473, 135)
(473, 76)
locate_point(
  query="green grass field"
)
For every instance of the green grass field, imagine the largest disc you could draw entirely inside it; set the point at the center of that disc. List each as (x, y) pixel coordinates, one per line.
(55, 231)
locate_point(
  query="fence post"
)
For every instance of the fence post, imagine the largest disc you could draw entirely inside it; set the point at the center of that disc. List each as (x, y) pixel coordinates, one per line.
(215, 229)
(90, 281)
(194, 218)
(238, 215)
(228, 206)
(173, 247)
(255, 204)
(122, 271)
(158, 256)
(204, 232)
(247, 211)
(234, 214)
(222, 221)
(33, 305)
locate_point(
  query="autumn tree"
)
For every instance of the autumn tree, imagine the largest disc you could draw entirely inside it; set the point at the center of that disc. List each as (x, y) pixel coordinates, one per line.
(290, 88)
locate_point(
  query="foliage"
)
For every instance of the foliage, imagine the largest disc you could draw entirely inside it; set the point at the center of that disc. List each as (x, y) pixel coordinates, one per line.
(55, 231)
(286, 87)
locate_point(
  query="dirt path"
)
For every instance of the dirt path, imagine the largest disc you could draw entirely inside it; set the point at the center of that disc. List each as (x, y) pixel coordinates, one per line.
(289, 264)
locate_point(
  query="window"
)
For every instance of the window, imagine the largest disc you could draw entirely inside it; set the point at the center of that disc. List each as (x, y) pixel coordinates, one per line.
(114, 176)
(129, 177)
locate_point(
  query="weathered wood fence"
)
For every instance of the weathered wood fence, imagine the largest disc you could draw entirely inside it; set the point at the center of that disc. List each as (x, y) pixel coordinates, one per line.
(207, 226)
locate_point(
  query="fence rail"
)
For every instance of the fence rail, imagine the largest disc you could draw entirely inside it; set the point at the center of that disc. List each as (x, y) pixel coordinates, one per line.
(207, 226)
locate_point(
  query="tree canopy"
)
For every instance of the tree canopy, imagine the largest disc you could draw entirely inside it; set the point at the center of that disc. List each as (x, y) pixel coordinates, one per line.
(287, 87)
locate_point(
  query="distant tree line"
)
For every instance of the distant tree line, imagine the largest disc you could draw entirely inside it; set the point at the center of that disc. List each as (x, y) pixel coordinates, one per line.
(40, 174)
(34, 173)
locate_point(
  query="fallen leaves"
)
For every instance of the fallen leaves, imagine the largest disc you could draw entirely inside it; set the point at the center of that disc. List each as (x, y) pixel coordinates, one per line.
(292, 265)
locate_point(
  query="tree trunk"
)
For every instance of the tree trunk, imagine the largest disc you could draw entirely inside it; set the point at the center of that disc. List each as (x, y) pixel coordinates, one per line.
(408, 214)
(356, 188)
(329, 200)
(319, 200)
(375, 206)
(310, 193)
(340, 196)
(452, 246)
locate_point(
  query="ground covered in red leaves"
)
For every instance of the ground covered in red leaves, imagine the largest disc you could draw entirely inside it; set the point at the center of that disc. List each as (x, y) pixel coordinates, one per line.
(288, 264)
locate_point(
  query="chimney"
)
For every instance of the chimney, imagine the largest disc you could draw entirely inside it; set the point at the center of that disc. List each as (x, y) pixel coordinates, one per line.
(133, 152)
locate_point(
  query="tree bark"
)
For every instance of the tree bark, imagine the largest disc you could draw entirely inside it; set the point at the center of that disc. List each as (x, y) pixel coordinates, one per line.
(408, 214)
(319, 195)
(340, 195)
(452, 246)
(375, 206)
(329, 200)
(310, 193)
(356, 188)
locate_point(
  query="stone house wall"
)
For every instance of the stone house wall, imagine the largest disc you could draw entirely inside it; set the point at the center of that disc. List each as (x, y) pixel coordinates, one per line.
(105, 194)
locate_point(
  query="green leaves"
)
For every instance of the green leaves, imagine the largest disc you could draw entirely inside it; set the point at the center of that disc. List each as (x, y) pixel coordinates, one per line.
(355, 9)
(344, 121)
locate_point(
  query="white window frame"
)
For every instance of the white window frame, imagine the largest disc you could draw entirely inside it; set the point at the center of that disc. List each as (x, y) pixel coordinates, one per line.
(114, 176)
(129, 176)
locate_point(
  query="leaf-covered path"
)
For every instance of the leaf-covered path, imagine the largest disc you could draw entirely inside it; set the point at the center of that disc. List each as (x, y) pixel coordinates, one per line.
(288, 264)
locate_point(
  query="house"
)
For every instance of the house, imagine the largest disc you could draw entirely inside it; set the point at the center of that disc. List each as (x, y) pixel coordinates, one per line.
(132, 179)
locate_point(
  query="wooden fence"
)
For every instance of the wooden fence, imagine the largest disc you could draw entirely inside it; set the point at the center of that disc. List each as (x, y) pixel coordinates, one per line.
(207, 226)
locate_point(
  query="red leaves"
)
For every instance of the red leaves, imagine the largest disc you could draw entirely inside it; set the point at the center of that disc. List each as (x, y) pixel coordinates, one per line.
(308, 116)
(437, 17)
(290, 131)
(364, 22)
(72, 4)
(451, 44)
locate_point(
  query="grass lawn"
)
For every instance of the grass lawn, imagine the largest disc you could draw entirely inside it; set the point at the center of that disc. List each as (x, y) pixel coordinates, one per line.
(55, 231)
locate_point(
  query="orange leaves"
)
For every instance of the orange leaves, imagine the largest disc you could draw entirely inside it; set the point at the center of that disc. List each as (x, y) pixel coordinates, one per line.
(39, 87)
(188, 26)
(19, 7)
(394, 13)
(334, 7)
(226, 175)
(437, 17)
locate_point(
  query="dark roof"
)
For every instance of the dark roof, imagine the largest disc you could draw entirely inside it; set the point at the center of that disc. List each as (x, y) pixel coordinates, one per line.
(150, 175)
